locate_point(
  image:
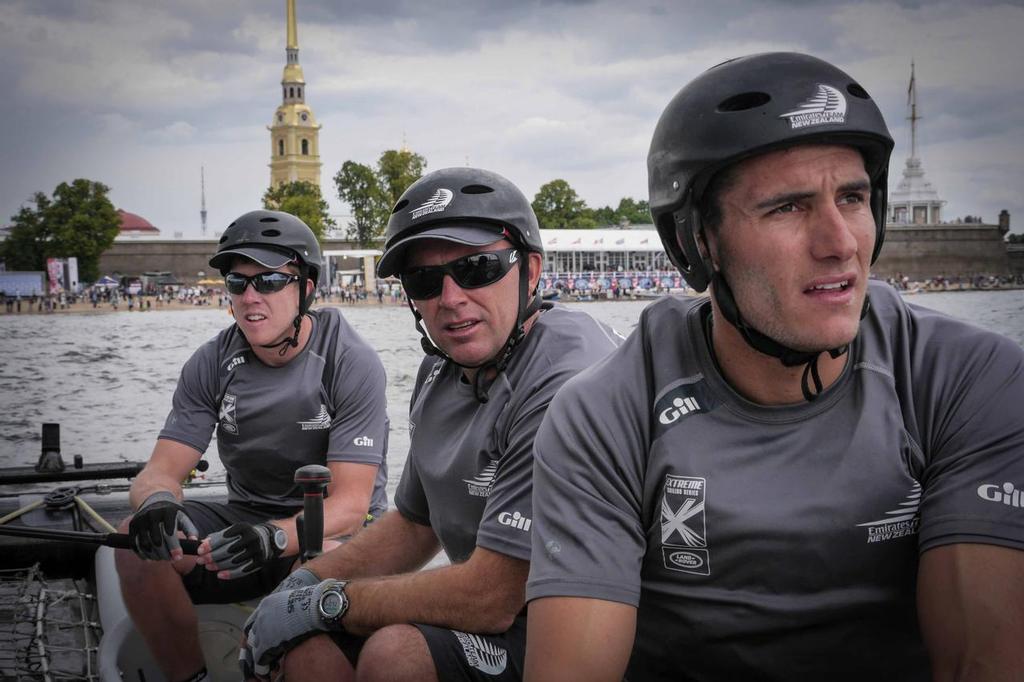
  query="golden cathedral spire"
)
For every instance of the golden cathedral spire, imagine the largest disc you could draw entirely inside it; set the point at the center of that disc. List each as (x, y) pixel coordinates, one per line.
(293, 31)
(294, 133)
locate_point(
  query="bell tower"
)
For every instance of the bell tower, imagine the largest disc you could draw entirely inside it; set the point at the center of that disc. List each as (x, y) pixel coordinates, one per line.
(294, 132)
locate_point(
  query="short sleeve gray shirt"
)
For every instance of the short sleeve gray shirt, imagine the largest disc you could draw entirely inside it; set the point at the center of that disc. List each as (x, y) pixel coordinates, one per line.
(326, 405)
(778, 542)
(469, 469)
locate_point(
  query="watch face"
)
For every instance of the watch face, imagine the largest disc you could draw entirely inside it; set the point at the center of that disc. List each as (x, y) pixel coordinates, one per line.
(281, 539)
(330, 604)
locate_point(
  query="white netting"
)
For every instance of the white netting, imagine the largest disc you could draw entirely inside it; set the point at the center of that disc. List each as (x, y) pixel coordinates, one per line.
(49, 629)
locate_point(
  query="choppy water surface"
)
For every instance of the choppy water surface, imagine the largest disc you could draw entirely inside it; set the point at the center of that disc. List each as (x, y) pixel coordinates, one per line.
(108, 378)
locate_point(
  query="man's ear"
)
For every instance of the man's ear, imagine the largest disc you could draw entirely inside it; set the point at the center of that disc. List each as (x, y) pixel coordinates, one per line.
(707, 243)
(536, 262)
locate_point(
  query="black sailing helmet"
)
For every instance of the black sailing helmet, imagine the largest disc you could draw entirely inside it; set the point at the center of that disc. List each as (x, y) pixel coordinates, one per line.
(740, 109)
(466, 206)
(745, 107)
(273, 239)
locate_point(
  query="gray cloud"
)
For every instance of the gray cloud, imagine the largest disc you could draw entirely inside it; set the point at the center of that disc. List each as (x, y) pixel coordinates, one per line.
(139, 95)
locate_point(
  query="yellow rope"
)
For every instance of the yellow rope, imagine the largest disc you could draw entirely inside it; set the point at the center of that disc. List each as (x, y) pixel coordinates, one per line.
(24, 510)
(84, 506)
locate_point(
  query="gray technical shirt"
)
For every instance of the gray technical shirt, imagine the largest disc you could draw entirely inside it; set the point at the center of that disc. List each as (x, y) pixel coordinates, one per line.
(469, 469)
(778, 542)
(326, 405)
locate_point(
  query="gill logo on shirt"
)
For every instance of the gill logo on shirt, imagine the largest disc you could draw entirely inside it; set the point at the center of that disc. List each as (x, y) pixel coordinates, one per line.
(235, 362)
(515, 520)
(1005, 494)
(688, 397)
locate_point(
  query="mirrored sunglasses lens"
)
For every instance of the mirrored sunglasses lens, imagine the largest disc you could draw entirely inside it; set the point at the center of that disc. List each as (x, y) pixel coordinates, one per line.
(422, 284)
(477, 270)
(270, 282)
(235, 283)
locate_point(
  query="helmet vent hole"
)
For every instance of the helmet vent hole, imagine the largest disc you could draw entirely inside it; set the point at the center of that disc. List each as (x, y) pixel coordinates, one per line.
(268, 219)
(400, 205)
(745, 101)
(477, 189)
(224, 238)
(857, 91)
(272, 232)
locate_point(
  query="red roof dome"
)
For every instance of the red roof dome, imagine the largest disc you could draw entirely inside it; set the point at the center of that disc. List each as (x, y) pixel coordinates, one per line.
(132, 223)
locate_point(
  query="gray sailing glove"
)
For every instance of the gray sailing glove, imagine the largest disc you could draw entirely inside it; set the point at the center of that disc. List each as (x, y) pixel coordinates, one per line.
(284, 619)
(244, 548)
(153, 530)
(302, 577)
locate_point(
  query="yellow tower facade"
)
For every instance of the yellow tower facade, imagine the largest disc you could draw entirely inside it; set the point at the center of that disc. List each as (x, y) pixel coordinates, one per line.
(294, 133)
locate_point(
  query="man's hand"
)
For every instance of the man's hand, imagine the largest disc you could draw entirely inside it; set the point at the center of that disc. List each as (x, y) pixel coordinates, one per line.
(282, 620)
(241, 549)
(153, 531)
(302, 577)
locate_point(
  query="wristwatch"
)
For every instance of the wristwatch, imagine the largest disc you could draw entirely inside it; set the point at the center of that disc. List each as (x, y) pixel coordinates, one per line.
(279, 538)
(333, 604)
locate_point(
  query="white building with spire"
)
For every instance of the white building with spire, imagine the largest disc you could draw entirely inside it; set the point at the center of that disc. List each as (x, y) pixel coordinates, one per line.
(915, 200)
(919, 243)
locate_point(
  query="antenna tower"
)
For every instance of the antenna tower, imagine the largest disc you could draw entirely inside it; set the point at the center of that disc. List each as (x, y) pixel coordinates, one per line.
(202, 206)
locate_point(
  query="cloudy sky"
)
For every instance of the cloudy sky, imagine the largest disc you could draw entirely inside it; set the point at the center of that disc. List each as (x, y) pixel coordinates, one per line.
(140, 94)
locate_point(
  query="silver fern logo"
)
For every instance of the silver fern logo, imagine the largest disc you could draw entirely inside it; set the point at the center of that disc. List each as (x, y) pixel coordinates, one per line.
(828, 105)
(899, 522)
(437, 202)
(485, 656)
(480, 485)
(322, 420)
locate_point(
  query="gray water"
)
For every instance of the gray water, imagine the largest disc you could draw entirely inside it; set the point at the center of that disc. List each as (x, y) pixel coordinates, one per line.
(108, 378)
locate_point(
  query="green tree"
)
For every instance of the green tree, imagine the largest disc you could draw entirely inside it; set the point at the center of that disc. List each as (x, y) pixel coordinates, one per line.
(397, 170)
(633, 212)
(371, 192)
(303, 200)
(605, 216)
(1015, 238)
(359, 187)
(558, 206)
(79, 221)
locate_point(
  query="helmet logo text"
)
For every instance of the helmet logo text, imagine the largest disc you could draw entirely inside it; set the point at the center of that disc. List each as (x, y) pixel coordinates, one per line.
(437, 202)
(828, 105)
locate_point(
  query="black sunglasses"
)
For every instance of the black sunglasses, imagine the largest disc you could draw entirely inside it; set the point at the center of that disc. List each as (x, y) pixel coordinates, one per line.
(263, 282)
(469, 272)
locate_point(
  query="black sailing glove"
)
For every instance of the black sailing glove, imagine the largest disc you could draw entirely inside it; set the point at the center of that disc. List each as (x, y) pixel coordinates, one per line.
(243, 548)
(153, 530)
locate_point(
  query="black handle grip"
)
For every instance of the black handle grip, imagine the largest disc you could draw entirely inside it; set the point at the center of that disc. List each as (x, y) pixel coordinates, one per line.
(314, 479)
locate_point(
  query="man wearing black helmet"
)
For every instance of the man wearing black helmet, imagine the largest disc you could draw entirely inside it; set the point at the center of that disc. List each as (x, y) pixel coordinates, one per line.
(283, 387)
(781, 481)
(466, 246)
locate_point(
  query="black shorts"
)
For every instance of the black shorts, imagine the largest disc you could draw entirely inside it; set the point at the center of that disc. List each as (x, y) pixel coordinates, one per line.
(203, 586)
(463, 657)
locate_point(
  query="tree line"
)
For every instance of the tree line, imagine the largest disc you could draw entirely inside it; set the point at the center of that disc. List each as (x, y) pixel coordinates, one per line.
(79, 219)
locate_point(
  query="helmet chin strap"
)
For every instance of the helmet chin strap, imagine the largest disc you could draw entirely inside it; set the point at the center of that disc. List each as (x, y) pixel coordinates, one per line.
(768, 346)
(527, 307)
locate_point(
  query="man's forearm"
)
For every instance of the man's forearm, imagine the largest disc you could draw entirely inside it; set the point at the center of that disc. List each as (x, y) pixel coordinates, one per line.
(478, 596)
(388, 546)
(145, 485)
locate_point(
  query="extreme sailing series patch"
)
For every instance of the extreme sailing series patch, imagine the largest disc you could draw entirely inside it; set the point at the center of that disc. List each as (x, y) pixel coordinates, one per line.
(227, 415)
(899, 522)
(684, 545)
